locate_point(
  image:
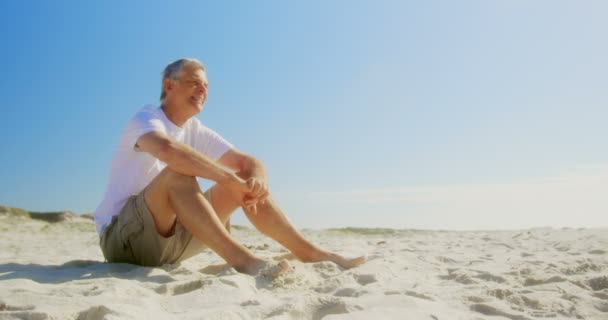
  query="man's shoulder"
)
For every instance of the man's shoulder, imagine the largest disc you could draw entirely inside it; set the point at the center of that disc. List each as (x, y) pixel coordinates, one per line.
(147, 113)
(148, 109)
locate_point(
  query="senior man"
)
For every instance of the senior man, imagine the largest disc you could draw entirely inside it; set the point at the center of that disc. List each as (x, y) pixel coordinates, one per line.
(154, 211)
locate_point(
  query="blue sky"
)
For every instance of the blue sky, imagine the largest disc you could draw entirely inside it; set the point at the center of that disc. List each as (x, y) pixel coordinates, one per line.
(404, 114)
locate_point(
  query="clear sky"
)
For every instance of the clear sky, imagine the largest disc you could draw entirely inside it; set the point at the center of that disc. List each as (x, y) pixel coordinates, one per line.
(402, 114)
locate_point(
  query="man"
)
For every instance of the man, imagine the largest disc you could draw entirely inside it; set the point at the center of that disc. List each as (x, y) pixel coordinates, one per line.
(154, 212)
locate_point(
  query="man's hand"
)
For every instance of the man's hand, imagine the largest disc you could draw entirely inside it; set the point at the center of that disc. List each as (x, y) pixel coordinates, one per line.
(249, 168)
(258, 193)
(236, 184)
(252, 191)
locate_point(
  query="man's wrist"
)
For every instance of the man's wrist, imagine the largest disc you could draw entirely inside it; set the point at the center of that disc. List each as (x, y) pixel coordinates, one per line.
(256, 169)
(258, 172)
(228, 178)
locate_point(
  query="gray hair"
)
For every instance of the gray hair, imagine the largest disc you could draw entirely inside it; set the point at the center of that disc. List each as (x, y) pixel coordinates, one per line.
(174, 71)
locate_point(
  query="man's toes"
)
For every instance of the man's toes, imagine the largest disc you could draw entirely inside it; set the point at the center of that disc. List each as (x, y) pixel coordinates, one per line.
(275, 270)
(350, 262)
(358, 261)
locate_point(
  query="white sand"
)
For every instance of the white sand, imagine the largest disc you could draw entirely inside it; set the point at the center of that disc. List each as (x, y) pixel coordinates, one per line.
(55, 271)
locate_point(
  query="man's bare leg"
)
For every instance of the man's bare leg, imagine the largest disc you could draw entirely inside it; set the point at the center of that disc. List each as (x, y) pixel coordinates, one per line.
(271, 221)
(172, 196)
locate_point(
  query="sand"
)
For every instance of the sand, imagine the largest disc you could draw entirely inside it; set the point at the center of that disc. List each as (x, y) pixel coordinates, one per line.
(56, 271)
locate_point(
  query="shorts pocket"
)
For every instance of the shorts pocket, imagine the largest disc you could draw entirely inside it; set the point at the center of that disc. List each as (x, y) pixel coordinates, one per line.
(112, 245)
(129, 228)
(120, 234)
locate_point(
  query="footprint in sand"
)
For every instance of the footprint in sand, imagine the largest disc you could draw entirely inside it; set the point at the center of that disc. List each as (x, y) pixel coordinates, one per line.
(601, 306)
(30, 315)
(488, 310)
(392, 293)
(365, 279)
(176, 270)
(327, 306)
(331, 284)
(477, 299)
(475, 261)
(318, 308)
(419, 295)
(178, 288)
(250, 303)
(570, 297)
(5, 307)
(525, 301)
(215, 269)
(490, 277)
(94, 313)
(350, 292)
(458, 275)
(534, 282)
(598, 283)
(446, 260)
(326, 269)
(580, 269)
(504, 245)
(600, 295)
(230, 283)
(500, 293)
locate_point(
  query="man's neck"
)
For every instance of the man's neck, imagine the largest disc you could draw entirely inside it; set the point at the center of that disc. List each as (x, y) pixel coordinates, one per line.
(174, 116)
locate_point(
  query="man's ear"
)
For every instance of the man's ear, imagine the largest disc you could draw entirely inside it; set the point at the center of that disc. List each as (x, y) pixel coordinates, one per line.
(167, 85)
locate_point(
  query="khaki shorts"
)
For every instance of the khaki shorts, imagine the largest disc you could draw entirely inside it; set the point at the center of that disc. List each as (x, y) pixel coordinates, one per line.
(131, 237)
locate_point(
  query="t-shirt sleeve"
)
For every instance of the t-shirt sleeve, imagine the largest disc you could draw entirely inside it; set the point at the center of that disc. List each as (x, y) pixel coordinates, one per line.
(209, 142)
(143, 122)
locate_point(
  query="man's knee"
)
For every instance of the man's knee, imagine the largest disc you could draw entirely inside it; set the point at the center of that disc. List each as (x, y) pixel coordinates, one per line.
(176, 179)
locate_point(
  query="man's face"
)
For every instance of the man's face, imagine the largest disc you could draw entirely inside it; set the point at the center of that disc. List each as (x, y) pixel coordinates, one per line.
(190, 90)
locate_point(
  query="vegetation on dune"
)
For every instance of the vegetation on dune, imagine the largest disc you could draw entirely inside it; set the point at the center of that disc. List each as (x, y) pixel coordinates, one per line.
(51, 216)
(365, 231)
(14, 212)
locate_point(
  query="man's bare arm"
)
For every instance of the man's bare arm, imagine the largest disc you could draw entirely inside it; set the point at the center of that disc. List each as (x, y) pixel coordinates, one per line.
(246, 165)
(184, 159)
(249, 168)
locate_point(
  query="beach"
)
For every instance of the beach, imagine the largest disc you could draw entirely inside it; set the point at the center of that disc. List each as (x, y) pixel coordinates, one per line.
(55, 270)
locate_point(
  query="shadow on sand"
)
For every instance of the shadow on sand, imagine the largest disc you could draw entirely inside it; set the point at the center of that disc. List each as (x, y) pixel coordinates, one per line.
(79, 270)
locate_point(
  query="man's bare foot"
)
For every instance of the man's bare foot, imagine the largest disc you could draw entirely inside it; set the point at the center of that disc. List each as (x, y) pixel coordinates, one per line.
(267, 269)
(347, 263)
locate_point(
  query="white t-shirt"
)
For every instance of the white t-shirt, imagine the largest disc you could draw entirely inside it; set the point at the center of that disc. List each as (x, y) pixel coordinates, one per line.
(132, 170)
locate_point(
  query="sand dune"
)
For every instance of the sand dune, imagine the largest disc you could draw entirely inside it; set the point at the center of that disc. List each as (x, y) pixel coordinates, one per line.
(55, 271)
